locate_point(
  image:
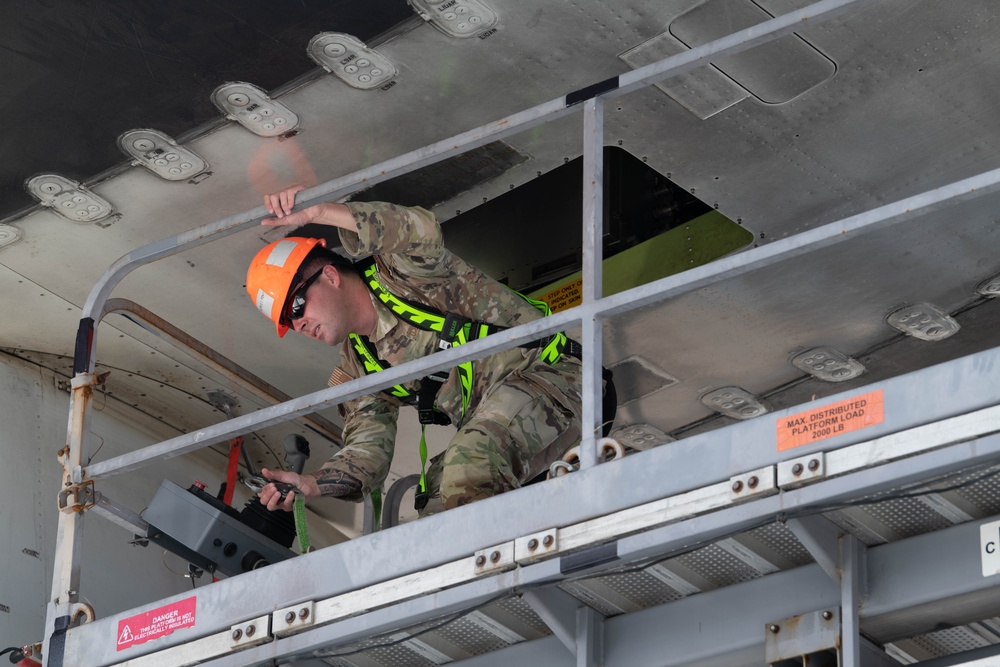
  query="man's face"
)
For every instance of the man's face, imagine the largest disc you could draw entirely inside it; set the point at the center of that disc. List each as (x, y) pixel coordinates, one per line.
(324, 315)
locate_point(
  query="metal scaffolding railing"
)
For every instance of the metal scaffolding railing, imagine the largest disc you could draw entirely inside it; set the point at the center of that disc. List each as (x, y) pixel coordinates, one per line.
(588, 316)
(632, 513)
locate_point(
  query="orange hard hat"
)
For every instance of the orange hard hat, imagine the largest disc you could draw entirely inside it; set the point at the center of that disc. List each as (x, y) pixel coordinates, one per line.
(274, 271)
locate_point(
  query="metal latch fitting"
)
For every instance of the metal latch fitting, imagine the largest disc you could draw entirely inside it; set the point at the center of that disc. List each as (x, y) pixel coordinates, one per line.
(84, 489)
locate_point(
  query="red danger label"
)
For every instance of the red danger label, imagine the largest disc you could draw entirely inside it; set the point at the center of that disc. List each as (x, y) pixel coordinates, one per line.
(156, 623)
(830, 420)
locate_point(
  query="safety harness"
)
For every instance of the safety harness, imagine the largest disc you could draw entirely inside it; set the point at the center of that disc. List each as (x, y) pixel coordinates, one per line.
(452, 330)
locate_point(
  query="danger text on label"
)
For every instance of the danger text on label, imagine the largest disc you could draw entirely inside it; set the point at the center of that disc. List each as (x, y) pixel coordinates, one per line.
(155, 623)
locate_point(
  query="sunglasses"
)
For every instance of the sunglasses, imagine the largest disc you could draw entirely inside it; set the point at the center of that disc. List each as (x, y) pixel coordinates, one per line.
(297, 302)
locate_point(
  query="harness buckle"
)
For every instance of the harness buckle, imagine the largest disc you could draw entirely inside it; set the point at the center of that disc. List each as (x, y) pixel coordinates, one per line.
(443, 344)
(420, 500)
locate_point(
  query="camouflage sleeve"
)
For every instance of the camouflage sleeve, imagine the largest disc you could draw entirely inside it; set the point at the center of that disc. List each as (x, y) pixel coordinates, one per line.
(369, 442)
(413, 233)
(369, 438)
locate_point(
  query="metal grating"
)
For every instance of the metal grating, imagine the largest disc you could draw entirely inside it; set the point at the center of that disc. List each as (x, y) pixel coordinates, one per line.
(908, 516)
(640, 588)
(470, 637)
(985, 493)
(591, 599)
(718, 566)
(950, 641)
(464, 633)
(779, 539)
(896, 518)
(861, 529)
(521, 611)
(390, 650)
(422, 645)
(397, 655)
(339, 662)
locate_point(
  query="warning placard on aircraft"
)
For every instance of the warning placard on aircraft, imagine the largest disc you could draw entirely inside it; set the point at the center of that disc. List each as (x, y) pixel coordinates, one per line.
(565, 297)
(830, 420)
(155, 623)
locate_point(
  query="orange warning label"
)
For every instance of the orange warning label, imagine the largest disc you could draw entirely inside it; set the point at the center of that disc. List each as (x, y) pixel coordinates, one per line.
(830, 420)
(567, 296)
(156, 623)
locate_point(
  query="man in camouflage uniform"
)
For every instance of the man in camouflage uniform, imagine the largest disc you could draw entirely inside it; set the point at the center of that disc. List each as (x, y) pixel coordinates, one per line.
(522, 412)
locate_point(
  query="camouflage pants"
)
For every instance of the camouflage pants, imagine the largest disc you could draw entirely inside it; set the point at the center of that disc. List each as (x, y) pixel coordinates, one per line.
(519, 428)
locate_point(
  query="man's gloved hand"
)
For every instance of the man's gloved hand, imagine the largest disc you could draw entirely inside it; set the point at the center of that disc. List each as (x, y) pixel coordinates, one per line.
(270, 495)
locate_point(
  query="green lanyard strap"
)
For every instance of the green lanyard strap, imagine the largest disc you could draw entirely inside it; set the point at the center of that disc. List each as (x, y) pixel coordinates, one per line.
(421, 497)
(299, 512)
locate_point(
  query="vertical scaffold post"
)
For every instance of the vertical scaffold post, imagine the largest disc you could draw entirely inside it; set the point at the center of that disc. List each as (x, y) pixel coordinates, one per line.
(69, 534)
(589, 638)
(850, 600)
(593, 232)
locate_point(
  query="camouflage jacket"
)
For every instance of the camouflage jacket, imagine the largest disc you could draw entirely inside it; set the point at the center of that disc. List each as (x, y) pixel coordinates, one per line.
(413, 264)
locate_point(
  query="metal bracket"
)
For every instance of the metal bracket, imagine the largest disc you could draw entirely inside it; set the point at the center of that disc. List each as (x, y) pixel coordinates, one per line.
(294, 618)
(84, 489)
(802, 470)
(250, 633)
(495, 559)
(803, 635)
(536, 546)
(753, 484)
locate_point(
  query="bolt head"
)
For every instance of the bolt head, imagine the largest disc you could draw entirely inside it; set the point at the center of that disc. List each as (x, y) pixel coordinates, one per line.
(250, 630)
(548, 540)
(495, 556)
(774, 628)
(753, 482)
(480, 561)
(289, 617)
(237, 633)
(797, 469)
(737, 486)
(304, 613)
(827, 615)
(814, 465)
(532, 544)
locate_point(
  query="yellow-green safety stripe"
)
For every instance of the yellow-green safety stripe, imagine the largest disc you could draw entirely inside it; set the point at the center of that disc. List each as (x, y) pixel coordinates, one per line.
(372, 365)
(429, 321)
(415, 316)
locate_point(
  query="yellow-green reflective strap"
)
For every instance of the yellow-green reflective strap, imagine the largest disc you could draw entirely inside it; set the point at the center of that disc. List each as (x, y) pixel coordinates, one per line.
(372, 365)
(550, 354)
(423, 459)
(415, 316)
(553, 350)
(537, 303)
(299, 511)
(464, 370)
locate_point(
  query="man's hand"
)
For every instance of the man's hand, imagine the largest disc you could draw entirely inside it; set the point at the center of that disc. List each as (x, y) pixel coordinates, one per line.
(280, 205)
(271, 497)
